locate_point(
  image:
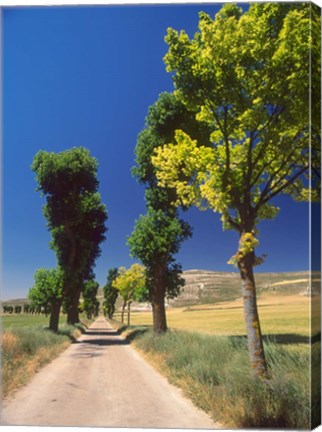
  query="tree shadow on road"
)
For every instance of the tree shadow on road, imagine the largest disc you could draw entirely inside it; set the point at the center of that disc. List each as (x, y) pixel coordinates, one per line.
(104, 342)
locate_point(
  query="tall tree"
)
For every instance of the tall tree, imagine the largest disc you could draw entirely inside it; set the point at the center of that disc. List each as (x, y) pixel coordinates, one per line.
(247, 76)
(157, 235)
(110, 293)
(47, 293)
(75, 216)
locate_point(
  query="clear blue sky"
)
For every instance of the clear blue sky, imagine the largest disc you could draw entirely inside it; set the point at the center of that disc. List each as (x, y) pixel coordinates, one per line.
(85, 76)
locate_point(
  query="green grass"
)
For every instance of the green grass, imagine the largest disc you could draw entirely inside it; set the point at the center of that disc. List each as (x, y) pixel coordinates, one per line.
(24, 320)
(214, 372)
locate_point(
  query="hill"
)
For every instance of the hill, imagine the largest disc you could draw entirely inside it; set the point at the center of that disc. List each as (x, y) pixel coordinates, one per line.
(202, 286)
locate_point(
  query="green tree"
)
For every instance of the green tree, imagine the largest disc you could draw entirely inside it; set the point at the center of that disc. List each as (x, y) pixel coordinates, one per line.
(110, 293)
(157, 235)
(131, 285)
(75, 216)
(91, 303)
(156, 238)
(247, 76)
(47, 292)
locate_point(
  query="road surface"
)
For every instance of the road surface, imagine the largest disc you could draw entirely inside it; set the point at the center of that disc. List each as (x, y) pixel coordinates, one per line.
(102, 381)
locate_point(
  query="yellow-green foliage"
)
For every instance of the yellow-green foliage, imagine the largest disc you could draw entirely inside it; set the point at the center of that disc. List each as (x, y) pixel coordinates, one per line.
(130, 283)
(245, 75)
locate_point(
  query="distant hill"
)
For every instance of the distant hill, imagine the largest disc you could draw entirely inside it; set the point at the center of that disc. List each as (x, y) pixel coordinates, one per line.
(204, 286)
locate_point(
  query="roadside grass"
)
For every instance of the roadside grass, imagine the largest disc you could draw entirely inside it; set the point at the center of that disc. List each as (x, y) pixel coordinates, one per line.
(214, 372)
(205, 353)
(28, 344)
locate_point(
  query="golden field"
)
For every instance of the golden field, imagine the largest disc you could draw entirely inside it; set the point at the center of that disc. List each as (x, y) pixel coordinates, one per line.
(279, 315)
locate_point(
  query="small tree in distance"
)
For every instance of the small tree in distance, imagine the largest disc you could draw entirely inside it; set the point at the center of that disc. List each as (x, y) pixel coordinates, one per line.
(131, 285)
(110, 293)
(90, 302)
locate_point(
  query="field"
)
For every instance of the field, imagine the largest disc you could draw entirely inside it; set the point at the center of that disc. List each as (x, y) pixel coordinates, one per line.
(281, 316)
(24, 321)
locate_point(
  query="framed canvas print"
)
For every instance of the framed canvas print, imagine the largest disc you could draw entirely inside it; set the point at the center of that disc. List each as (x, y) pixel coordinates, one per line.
(161, 252)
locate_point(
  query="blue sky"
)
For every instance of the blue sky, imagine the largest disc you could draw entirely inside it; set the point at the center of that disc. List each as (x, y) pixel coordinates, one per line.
(85, 76)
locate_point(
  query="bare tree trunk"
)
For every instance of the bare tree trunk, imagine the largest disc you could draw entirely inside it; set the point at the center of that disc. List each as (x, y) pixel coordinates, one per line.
(254, 335)
(129, 313)
(123, 310)
(158, 299)
(54, 316)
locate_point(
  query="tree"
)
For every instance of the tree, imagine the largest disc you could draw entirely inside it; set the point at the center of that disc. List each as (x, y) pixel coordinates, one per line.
(75, 216)
(131, 284)
(18, 309)
(247, 76)
(47, 291)
(155, 239)
(110, 293)
(147, 242)
(91, 303)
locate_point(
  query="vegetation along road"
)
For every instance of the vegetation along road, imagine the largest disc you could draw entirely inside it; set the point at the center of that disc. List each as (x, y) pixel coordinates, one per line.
(102, 381)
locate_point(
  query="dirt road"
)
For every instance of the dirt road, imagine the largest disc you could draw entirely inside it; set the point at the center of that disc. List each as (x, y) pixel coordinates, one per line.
(102, 381)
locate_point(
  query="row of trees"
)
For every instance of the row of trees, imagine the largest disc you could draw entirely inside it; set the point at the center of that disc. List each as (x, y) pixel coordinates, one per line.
(237, 132)
(26, 309)
(130, 284)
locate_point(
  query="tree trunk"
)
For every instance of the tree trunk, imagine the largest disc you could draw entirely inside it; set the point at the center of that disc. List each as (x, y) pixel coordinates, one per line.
(254, 335)
(129, 313)
(157, 300)
(71, 294)
(123, 310)
(72, 309)
(54, 316)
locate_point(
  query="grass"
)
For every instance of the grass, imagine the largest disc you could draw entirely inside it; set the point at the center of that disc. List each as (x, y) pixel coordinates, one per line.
(214, 372)
(27, 345)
